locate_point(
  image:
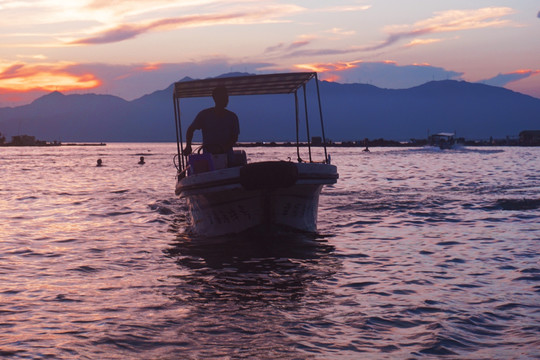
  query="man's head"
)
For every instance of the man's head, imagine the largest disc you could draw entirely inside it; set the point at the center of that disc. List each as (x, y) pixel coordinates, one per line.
(221, 97)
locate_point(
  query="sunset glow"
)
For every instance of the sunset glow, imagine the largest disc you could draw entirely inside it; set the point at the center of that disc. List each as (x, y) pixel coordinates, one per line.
(528, 72)
(416, 42)
(24, 78)
(131, 48)
(322, 68)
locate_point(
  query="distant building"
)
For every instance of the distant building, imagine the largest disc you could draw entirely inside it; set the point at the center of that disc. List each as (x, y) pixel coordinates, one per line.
(529, 138)
(316, 140)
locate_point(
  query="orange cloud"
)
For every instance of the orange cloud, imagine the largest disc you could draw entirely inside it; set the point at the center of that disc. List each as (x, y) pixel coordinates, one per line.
(330, 78)
(326, 67)
(527, 72)
(26, 78)
(138, 69)
(150, 67)
(328, 71)
(416, 42)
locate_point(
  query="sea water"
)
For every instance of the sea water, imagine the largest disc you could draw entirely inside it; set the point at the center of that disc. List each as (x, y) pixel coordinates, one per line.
(420, 254)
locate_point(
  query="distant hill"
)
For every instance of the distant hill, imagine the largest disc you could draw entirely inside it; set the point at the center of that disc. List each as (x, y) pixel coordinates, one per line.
(351, 112)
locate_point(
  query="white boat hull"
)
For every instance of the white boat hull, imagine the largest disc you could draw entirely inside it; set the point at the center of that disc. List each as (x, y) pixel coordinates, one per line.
(220, 204)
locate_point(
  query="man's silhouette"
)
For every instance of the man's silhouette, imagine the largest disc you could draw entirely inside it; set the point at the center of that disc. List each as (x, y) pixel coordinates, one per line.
(219, 126)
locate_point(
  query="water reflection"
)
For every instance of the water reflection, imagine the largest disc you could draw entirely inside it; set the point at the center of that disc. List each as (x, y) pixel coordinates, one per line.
(276, 266)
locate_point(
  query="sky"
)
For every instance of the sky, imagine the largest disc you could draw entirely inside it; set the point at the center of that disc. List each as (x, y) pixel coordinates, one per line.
(130, 48)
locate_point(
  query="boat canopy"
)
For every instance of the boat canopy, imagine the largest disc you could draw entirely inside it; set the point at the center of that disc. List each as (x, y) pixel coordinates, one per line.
(268, 84)
(284, 83)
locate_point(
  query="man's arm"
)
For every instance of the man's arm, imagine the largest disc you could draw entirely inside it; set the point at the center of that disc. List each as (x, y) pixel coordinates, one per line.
(189, 138)
(235, 131)
(233, 140)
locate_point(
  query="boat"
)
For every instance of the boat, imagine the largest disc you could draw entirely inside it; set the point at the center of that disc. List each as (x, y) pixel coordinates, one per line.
(226, 194)
(442, 140)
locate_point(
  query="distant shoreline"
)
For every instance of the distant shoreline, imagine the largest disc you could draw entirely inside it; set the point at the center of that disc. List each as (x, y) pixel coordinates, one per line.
(286, 144)
(373, 144)
(53, 145)
(84, 144)
(345, 144)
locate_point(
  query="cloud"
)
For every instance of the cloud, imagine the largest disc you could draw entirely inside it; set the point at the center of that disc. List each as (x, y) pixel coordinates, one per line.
(282, 47)
(345, 8)
(504, 79)
(128, 31)
(320, 52)
(341, 32)
(447, 21)
(39, 57)
(330, 69)
(384, 74)
(107, 4)
(21, 77)
(122, 32)
(416, 42)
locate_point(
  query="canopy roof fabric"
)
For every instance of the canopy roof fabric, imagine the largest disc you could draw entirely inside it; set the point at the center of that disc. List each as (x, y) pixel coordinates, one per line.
(284, 83)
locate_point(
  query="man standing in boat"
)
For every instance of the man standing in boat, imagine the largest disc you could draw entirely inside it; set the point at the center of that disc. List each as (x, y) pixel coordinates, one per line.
(219, 126)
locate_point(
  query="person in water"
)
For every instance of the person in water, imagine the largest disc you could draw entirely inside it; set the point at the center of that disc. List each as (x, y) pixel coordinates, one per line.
(141, 160)
(99, 162)
(219, 126)
(366, 145)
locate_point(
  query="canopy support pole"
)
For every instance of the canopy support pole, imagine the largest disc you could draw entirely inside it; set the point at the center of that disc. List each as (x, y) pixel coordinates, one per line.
(321, 116)
(179, 140)
(297, 130)
(307, 123)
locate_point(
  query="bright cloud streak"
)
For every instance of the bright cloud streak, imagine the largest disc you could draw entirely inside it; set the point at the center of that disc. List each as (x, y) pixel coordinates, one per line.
(104, 11)
(26, 78)
(128, 31)
(345, 8)
(448, 21)
(329, 67)
(416, 42)
(341, 32)
(457, 20)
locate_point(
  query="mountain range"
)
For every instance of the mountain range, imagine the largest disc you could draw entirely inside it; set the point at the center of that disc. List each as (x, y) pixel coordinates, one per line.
(351, 112)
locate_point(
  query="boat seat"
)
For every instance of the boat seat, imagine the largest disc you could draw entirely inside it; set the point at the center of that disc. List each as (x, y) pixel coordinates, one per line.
(237, 158)
(200, 163)
(268, 175)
